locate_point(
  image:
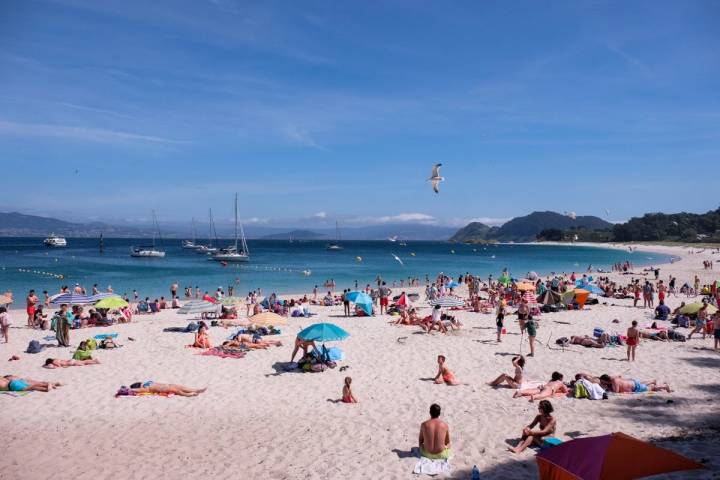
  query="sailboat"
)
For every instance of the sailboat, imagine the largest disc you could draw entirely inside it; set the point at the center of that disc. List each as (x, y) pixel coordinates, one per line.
(149, 251)
(232, 254)
(209, 249)
(334, 246)
(190, 244)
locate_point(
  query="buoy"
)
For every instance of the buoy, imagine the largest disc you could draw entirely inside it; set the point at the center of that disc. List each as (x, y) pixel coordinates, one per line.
(452, 251)
(412, 254)
(359, 259)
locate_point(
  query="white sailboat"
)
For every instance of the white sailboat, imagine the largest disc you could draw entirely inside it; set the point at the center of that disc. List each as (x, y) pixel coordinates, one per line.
(209, 249)
(335, 246)
(190, 244)
(232, 254)
(149, 251)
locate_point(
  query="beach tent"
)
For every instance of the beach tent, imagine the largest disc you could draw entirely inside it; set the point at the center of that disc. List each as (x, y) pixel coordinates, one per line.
(362, 300)
(323, 332)
(267, 319)
(609, 457)
(694, 308)
(550, 297)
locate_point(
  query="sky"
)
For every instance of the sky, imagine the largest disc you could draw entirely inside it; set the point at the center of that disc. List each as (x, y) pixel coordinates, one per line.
(319, 111)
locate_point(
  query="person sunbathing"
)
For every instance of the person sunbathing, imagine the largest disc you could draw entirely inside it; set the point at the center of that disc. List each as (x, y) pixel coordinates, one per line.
(444, 374)
(251, 341)
(202, 339)
(57, 363)
(552, 388)
(618, 384)
(587, 341)
(660, 335)
(152, 387)
(19, 384)
(514, 381)
(544, 420)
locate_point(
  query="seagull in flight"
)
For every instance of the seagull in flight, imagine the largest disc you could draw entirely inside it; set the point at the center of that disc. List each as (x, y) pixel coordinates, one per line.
(398, 259)
(435, 178)
(393, 238)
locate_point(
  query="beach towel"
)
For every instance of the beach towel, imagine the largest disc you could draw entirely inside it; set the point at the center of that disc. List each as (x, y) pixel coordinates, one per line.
(224, 353)
(127, 393)
(426, 466)
(15, 394)
(103, 336)
(335, 354)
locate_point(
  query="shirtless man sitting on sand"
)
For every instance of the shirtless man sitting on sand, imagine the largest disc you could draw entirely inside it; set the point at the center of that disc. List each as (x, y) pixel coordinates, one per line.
(57, 363)
(618, 384)
(17, 384)
(550, 389)
(434, 437)
(444, 374)
(152, 387)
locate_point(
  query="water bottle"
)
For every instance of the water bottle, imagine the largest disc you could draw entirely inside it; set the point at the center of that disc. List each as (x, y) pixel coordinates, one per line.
(475, 473)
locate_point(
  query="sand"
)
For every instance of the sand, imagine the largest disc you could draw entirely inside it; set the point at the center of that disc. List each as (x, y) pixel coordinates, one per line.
(258, 421)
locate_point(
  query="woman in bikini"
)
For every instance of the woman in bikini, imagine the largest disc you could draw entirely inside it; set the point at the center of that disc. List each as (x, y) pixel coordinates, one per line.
(152, 387)
(547, 425)
(514, 381)
(444, 374)
(552, 388)
(202, 340)
(633, 340)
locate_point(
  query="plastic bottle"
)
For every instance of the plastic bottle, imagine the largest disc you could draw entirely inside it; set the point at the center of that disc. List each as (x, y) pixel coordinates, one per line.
(475, 473)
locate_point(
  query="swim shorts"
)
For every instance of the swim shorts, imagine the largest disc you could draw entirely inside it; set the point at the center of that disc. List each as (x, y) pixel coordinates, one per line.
(639, 387)
(716, 334)
(17, 385)
(531, 328)
(384, 301)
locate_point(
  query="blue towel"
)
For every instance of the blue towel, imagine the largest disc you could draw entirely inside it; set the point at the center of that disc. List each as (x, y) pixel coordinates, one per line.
(335, 354)
(106, 335)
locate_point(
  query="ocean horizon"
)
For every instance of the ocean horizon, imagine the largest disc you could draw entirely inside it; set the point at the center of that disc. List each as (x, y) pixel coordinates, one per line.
(279, 265)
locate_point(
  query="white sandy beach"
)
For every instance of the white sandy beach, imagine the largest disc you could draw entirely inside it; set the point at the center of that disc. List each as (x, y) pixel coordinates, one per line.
(258, 422)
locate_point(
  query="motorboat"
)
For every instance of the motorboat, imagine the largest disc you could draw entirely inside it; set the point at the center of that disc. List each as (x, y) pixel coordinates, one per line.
(55, 241)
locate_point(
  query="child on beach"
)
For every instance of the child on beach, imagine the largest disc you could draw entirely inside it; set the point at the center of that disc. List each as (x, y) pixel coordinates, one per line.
(444, 374)
(633, 340)
(202, 340)
(499, 319)
(347, 395)
(5, 323)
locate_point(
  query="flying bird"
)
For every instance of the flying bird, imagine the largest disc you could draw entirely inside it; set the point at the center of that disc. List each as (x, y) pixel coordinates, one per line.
(393, 238)
(398, 259)
(435, 178)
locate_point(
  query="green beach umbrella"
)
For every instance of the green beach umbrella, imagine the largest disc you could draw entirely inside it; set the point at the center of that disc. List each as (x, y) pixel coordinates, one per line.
(693, 308)
(111, 302)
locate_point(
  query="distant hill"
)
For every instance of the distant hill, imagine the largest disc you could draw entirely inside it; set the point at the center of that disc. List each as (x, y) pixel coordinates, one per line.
(14, 224)
(685, 227)
(526, 229)
(295, 235)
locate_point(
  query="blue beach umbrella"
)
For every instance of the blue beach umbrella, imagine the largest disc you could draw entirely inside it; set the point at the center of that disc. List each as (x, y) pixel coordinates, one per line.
(362, 300)
(71, 299)
(323, 332)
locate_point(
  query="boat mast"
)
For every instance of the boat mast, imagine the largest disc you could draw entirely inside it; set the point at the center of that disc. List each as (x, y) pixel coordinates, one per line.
(213, 232)
(236, 222)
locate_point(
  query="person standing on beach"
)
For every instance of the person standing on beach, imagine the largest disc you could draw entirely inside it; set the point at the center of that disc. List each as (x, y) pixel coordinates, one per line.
(31, 301)
(500, 318)
(173, 289)
(62, 326)
(346, 302)
(46, 298)
(5, 324)
(434, 439)
(700, 321)
(636, 294)
(315, 292)
(633, 340)
(531, 327)
(384, 297)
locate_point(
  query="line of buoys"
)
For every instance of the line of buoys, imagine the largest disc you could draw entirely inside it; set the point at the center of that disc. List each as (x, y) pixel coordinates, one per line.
(39, 272)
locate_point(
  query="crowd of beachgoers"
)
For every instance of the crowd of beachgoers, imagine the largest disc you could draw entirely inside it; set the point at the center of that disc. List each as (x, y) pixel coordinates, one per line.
(508, 304)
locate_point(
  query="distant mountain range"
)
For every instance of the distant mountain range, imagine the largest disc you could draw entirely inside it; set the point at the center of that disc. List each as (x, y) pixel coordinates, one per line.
(15, 224)
(295, 235)
(526, 229)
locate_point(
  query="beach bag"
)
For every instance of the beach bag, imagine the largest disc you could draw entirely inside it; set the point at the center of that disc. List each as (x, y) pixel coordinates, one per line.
(318, 367)
(82, 355)
(34, 347)
(549, 442)
(581, 391)
(597, 332)
(564, 341)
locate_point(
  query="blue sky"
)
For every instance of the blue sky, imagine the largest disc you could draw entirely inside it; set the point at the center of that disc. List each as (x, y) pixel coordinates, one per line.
(314, 111)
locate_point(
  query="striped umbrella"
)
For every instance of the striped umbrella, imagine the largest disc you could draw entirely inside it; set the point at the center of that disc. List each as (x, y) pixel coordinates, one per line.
(529, 297)
(447, 302)
(71, 299)
(267, 319)
(197, 306)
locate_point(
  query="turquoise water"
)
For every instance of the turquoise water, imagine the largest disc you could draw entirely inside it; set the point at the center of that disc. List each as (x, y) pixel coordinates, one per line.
(278, 265)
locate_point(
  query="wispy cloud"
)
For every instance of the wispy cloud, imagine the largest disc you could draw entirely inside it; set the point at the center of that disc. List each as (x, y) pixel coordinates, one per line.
(302, 137)
(9, 128)
(407, 218)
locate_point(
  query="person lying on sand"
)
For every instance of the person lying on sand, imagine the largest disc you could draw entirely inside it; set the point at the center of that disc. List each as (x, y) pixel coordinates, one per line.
(514, 381)
(618, 384)
(553, 387)
(547, 425)
(444, 374)
(57, 363)
(587, 341)
(251, 341)
(152, 387)
(18, 384)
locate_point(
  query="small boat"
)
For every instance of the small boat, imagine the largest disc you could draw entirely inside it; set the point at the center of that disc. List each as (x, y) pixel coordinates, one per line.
(55, 241)
(190, 244)
(208, 249)
(335, 246)
(149, 251)
(232, 254)
(403, 244)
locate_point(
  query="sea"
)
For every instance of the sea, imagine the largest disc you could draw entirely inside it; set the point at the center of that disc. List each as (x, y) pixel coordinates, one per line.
(282, 266)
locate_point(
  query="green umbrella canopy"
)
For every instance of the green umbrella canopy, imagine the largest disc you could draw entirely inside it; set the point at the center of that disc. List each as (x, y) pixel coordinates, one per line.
(693, 308)
(111, 302)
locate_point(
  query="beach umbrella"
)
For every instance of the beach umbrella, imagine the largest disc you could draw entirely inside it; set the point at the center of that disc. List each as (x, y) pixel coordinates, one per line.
(323, 332)
(693, 308)
(100, 296)
(5, 299)
(550, 297)
(233, 301)
(70, 299)
(532, 276)
(267, 319)
(526, 287)
(362, 300)
(529, 297)
(111, 302)
(197, 306)
(505, 280)
(453, 285)
(609, 457)
(447, 302)
(402, 300)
